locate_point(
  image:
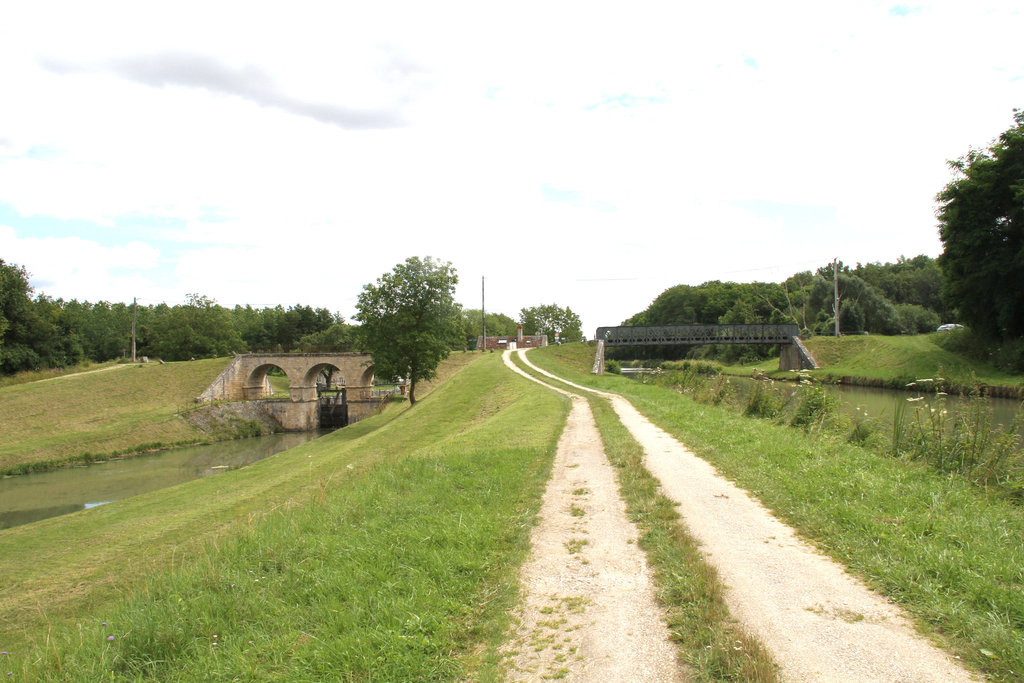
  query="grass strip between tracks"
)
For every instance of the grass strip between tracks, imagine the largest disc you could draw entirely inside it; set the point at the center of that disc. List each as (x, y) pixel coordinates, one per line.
(388, 552)
(710, 641)
(949, 553)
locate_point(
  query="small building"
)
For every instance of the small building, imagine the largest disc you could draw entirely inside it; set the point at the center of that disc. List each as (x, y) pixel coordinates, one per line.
(520, 341)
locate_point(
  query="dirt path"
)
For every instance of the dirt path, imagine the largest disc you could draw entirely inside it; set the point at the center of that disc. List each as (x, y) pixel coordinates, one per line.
(589, 611)
(820, 623)
(79, 374)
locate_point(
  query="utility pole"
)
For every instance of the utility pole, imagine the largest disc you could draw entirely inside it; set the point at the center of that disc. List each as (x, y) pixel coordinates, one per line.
(835, 283)
(483, 318)
(135, 302)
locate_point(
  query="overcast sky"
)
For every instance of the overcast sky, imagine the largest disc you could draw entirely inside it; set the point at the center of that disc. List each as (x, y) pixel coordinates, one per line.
(585, 154)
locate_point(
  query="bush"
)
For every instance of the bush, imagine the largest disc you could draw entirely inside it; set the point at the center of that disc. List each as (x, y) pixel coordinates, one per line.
(814, 407)
(613, 367)
(967, 443)
(914, 319)
(696, 367)
(1005, 354)
(764, 401)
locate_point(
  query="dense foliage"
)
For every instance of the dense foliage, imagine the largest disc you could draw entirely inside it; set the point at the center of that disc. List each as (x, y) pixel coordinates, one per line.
(39, 332)
(890, 298)
(410, 320)
(981, 221)
(552, 320)
(498, 325)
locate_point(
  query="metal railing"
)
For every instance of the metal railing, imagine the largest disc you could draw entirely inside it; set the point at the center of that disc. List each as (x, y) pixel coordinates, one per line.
(693, 335)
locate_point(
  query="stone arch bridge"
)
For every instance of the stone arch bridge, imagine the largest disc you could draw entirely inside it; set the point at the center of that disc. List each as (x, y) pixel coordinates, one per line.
(340, 383)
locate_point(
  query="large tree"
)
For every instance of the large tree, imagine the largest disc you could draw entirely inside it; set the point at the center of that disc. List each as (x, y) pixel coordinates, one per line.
(199, 329)
(410, 319)
(17, 318)
(550, 319)
(981, 223)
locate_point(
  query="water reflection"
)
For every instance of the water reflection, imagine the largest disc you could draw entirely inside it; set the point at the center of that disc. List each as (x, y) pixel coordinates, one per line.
(31, 497)
(880, 403)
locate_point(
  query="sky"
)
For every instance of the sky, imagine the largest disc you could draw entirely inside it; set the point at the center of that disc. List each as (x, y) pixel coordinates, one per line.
(586, 154)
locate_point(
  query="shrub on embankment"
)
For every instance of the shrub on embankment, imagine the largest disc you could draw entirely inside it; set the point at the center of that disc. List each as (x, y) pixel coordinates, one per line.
(947, 551)
(388, 550)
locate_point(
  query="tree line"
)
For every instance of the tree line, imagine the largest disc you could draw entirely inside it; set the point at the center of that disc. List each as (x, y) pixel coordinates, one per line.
(890, 298)
(37, 331)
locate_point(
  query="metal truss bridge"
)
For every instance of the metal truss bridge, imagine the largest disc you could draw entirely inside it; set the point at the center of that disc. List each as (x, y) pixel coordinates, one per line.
(794, 355)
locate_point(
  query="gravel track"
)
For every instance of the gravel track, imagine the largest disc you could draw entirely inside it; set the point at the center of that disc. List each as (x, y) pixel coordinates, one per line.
(819, 622)
(589, 611)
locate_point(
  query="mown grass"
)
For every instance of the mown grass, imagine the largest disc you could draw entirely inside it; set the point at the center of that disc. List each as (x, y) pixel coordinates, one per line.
(51, 373)
(900, 360)
(894, 362)
(117, 410)
(710, 641)
(948, 552)
(385, 551)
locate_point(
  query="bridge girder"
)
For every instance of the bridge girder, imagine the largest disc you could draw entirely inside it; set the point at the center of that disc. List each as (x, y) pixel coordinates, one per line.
(794, 355)
(694, 335)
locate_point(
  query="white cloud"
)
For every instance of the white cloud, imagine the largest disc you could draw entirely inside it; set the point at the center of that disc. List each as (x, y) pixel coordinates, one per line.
(229, 139)
(76, 268)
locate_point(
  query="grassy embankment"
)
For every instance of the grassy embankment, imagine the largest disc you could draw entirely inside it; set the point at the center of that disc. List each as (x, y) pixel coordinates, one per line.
(387, 550)
(94, 415)
(948, 552)
(874, 360)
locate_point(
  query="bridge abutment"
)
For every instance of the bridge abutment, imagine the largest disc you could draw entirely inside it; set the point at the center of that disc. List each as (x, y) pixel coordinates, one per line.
(294, 416)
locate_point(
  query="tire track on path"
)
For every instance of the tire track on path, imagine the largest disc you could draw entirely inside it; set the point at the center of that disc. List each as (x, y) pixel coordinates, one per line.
(589, 611)
(820, 623)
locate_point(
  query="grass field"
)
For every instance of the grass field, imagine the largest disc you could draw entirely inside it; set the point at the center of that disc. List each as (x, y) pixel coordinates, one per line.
(388, 550)
(891, 362)
(120, 408)
(948, 552)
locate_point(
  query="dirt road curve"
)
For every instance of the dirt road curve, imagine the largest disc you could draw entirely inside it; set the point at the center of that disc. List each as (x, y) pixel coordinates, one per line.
(820, 623)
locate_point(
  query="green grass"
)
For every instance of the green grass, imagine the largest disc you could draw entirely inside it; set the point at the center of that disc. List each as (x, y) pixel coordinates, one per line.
(876, 360)
(118, 409)
(948, 552)
(899, 360)
(710, 641)
(385, 551)
(36, 375)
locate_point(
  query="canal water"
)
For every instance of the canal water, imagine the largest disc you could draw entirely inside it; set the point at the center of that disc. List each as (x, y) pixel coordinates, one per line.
(881, 403)
(31, 497)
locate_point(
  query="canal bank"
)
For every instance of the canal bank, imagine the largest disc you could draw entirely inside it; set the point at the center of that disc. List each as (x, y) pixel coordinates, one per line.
(41, 495)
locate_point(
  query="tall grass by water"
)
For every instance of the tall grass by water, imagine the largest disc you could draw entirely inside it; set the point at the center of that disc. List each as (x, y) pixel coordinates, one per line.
(388, 552)
(948, 551)
(966, 442)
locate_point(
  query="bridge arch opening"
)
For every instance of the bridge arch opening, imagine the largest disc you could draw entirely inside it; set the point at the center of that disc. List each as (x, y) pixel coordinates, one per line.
(328, 375)
(268, 380)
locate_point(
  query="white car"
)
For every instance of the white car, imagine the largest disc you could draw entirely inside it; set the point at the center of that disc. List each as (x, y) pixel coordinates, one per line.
(947, 327)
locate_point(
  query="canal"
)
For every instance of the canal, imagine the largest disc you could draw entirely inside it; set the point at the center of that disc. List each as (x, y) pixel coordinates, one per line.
(880, 403)
(31, 497)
